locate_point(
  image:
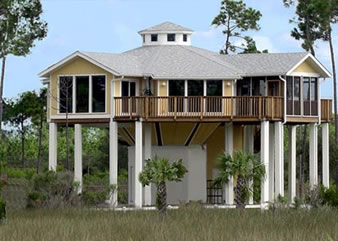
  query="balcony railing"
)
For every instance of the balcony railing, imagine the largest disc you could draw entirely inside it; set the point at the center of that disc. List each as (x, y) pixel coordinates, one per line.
(326, 110)
(236, 108)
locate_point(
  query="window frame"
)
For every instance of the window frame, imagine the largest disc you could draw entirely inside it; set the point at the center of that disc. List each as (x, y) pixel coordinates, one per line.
(171, 34)
(74, 94)
(185, 37)
(154, 36)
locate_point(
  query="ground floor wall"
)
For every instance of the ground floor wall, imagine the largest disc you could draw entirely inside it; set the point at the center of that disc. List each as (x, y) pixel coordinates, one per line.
(192, 188)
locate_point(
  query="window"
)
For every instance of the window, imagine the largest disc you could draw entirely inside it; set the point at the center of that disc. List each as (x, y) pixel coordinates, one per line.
(66, 94)
(171, 37)
(82, 94)
(313, 96)
(243, 87)
(185, 38)
(99, 93)
(195, 87)
(214, 88)
(144, 38)
(154, 37)
(176, 87)
(258, 86)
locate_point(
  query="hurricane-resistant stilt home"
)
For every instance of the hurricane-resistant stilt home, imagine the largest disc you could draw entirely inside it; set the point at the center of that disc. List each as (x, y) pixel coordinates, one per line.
(170, 99)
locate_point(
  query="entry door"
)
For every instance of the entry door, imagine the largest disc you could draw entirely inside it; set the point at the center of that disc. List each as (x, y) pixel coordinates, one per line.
(128, 90)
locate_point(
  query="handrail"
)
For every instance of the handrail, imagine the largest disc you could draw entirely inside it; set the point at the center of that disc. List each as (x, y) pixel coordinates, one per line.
(201, 107)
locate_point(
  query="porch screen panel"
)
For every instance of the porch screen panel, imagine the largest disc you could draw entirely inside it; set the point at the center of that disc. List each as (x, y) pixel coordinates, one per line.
(306, 95)
(289, 94)
(176, 88)
(66, 94)
(195, 89)
(314, 97)
(99, 93)
(82, 94)
(214, 89)
(296, 96)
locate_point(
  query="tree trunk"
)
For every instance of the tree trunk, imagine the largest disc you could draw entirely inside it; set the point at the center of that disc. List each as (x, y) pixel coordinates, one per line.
(334, 99)
(40, 144)
(240, 194)
(2, 88)
(162, 198)
(22, 145)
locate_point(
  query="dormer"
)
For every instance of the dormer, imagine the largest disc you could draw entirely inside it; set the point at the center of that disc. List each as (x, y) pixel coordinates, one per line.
(166, 33)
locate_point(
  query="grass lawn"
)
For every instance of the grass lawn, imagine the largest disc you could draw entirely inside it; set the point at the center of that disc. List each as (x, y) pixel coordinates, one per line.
(185, 224)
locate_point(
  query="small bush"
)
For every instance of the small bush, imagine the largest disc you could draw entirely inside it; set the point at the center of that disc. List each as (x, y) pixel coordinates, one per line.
(330, 197)
(27, 173)
(2, 210)
(314, 196)
(97, 195)
(53, 190)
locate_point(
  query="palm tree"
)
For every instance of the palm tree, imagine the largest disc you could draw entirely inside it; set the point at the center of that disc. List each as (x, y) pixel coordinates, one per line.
(158, 171)
(243, 167)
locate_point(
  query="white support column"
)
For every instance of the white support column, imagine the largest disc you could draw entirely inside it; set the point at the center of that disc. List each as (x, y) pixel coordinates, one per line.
(53, 133)
(279, 163)
(138, 164)
(249, 147)
(292, 163)
(271, 162)
(229, 187)
(147, 156)
(325, 154)
(265, 161)
(78, 156)
(313, 155)
(113, 161)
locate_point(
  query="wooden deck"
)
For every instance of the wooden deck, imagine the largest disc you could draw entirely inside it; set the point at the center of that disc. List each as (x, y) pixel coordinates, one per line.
(206, 109)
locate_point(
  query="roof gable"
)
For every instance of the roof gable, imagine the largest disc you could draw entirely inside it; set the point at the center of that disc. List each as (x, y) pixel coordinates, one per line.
(166, 27)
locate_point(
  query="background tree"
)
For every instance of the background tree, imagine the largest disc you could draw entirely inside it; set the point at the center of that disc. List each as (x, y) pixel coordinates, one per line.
(236, 18)
(20, 26)
(243, 167)
(308, 31)
(328, 10)
(38, 112)
(158, 171)
(18, 113)
(249, 47)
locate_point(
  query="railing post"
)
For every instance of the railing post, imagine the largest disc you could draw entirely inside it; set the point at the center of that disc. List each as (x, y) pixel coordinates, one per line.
(260, 107)
(233, 107)
(130, 107)
(175, 107)
(272, 107)
(146, 108)
(202, 107)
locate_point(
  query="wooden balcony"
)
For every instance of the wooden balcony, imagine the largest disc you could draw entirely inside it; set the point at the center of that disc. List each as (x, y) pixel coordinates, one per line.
(205, 109)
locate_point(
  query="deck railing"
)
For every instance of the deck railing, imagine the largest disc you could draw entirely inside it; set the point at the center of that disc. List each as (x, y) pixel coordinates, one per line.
(239, 108)
(326, 110)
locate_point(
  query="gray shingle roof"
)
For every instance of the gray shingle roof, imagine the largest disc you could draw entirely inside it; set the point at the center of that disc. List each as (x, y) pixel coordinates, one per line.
(264, 64)
(167, 62)
(165, 27)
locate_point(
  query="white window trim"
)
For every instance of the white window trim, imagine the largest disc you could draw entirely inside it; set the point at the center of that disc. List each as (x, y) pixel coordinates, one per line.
(90, 97)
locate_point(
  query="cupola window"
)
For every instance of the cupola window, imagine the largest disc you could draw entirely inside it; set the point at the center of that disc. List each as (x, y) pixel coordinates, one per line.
(185, 38)
(154, 38)
(171, 37)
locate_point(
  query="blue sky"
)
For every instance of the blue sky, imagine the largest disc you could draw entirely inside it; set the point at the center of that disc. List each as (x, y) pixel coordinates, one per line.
(112, 26)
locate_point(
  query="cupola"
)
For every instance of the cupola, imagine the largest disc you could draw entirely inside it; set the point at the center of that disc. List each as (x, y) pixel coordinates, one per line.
(166, 33)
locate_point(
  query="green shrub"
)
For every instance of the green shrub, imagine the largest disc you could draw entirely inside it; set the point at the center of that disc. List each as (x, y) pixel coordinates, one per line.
(94, 195)
(2, 209)
(27, 173)
(53, 190)
(330, 196)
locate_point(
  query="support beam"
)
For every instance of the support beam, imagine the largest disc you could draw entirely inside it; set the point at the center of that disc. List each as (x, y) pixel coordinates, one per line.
(147, 155)
(229, 187)
(53, 134)
(313, 155)
(249, 147)
(138, 164)
(113, 161)
(265, 161)
(279, 162)
(78, 156)
(292, 163)
(271, 162)
(325, 155)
